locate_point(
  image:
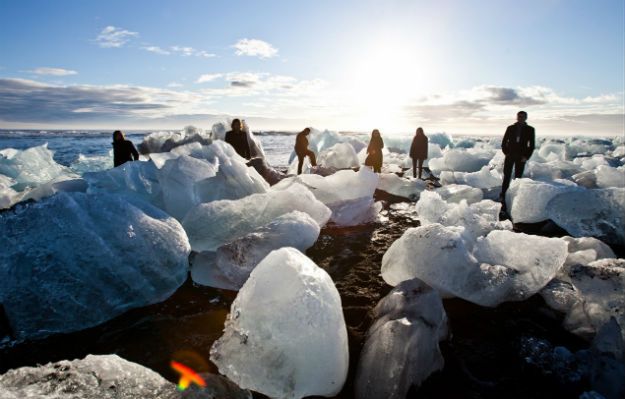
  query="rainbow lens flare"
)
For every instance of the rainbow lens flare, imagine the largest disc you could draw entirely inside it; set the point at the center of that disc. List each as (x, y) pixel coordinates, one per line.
(187, 376)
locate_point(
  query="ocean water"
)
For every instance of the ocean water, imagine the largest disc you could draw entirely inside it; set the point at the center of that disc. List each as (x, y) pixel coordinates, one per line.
(91, 150)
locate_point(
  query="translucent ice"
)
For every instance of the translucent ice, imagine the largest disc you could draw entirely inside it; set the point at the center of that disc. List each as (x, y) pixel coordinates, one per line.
(347, 193)
(31, 167)
(91, 252)
(339, 156)
(596, 213)
(458, 192)
(401, 348)
(478, 219)
(485, 178)
(608, 176)
(585, 250)
(285, 336)
(213, 224)
(233, 262)
(94, 377)
(165, 141)
(503, 266)
(401, 186)
(527, 199)
(589, 295)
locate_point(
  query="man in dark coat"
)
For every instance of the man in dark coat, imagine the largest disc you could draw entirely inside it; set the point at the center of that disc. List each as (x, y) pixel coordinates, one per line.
(237, 138)
(517, 145)
(302, 151)
(123, 150)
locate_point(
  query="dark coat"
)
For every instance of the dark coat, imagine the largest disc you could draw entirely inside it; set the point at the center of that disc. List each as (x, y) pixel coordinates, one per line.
(301, 144)
(239, 142)
(419, 147)
(524, 147)
(124, 151)
(375, 152)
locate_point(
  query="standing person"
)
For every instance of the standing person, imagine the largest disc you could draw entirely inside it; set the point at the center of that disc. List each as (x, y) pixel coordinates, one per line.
(302, 151)
(374, 151)
(237, 138)
(418, 151)
(517, 145)
(123, 150)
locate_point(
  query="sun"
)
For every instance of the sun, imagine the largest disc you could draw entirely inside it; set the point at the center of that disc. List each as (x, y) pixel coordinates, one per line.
(385, 81)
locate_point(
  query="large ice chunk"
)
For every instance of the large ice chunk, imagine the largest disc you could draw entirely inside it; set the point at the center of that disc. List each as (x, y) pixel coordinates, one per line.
(608, 176)
(478, 219)
(503, 266)
(347, 193)
(31, 167)
(285, 336)
(596, 213)
(213, 224)
(527, 199)
(90, 252)
(94, 377)
(165, 141)
(459, 192)
(589, 295)
(585, 250)
(401, 348)
(484, 178)
(339, 156)
(401, 187)
(233, 262)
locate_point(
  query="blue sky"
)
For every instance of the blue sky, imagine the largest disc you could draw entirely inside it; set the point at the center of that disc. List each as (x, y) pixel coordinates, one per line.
(456, 66)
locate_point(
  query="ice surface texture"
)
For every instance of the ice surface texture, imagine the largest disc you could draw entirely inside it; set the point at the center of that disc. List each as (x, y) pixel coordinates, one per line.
(503, 266)
(401, 348)
(213, 224)
(106, 377)
(74, 253)
(285, 336)
(347, 193)
(233, 262)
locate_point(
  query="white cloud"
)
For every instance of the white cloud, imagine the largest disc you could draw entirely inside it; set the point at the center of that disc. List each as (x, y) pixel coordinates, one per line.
(156, 50)
(208, 77)
(190, 51)
(114, 37)
(174, 84)
(255, 48)
(54, 71)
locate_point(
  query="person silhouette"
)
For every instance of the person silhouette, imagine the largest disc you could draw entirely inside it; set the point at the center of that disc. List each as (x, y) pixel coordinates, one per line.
(302, 151)
(123, 150)
(237, 138)
(374, 151)
(518, 146)
(418, 151)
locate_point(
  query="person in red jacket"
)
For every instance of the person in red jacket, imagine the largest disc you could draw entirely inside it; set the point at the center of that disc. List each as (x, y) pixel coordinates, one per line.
(418, 151)
(302, 151)
(518, 146)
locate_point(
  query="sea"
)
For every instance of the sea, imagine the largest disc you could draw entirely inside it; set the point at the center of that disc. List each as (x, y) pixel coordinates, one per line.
(91, 150)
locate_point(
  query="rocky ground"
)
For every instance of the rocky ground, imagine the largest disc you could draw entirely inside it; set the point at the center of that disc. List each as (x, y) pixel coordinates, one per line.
(483, 358)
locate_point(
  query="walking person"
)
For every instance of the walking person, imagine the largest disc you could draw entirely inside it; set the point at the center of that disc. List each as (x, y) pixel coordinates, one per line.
(517, 145)
(302, 151)
(237, 138)
(418, 152)
(123, 150)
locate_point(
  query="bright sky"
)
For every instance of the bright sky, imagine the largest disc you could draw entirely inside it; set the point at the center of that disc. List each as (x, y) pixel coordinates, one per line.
(455, 66)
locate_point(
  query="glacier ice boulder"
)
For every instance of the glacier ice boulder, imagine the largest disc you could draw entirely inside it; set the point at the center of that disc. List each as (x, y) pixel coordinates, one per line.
(339, 156)
(31, 167)
(213, 224)
(285, 336)
(94, 377)
(589, 295)
(458, 192)
(502, 266)
(348, 194)
(598, 213)
(527, 199)
(401, 348)
(230, 266)
(91, 252)
(401, 186)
